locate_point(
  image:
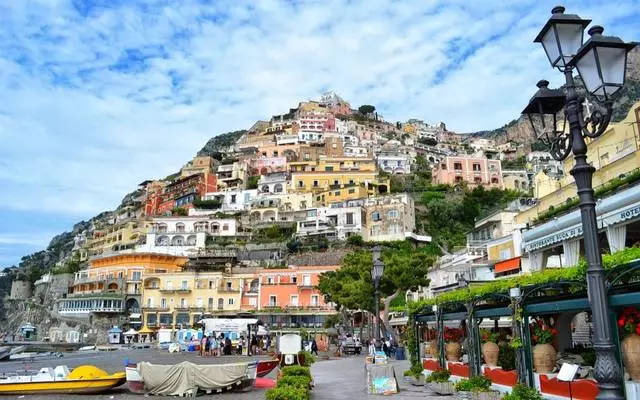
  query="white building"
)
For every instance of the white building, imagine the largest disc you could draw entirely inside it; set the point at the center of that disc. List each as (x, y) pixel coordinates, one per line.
(233, 200)
(394, 162)
(356, 151)
(543, 161)
(331, 222)
(185, 235)
(454, 270)
(273, 183)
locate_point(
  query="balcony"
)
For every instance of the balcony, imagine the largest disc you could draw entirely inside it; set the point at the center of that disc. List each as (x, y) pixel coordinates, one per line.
(175, 290)
(181, 308)
(197, 308)
(228, 290)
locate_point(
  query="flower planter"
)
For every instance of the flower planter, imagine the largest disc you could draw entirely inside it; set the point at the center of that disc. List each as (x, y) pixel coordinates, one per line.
(433, 349)
(490, 352)
(419, 381)
(631, 355)
(544, 358)
(489, 395)
(442, 388)
(453, 351)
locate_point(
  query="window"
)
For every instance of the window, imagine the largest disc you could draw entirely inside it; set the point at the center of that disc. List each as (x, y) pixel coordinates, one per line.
(294, 279)
(300, 183)
(294, 300)
(168, 285)
(505, 254)
(230, 302)
(183, 303)
(494, 180)
(337, 193)
(476, 167)
(458, 179)
(352, 191)
(210, 284)
(229, 285)
(220, 303)
(307, 157)
(270, 281)
(349, 217)
(233, 199)
(314, 300)
(163, 303)
(375, 216)
(225, 227)
(136, 276)
(315, 183)
(457, 166)
(328, 168)
(306, 280)
(477, 180)
(336, 182)
(199, 302)
(149, 302)
(184, 285)
(180, 227)
(265, 188)
(120, 275)
(351, 182)
(393, 214)
(273, 301)
(253, 301)
(443, 167)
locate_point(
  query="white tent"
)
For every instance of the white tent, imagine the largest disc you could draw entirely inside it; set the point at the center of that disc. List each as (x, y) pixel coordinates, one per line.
(131, 332)
(237, 325)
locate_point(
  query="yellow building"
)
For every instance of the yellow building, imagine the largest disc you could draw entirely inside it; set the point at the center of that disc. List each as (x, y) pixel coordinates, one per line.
(544, 184)
(122, 236)
(614, 154)
(182, 298)
(346, 192)
(323, 181)
(199, 165)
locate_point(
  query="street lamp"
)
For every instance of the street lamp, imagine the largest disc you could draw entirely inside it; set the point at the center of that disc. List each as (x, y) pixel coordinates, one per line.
(377, 269)
(601, 63)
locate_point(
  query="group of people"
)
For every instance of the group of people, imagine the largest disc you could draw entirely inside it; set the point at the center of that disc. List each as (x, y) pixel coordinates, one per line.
(210, 345)
(387, 347)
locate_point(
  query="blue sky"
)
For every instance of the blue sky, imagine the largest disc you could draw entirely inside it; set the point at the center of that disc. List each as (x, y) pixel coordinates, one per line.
(101, 95)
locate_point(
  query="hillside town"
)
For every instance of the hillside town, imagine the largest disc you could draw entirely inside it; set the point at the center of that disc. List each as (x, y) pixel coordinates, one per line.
(249, 228)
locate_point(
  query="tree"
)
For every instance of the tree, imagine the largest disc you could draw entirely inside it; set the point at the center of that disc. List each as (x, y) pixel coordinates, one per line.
(427, 141)
(366, 109)
(351, 287)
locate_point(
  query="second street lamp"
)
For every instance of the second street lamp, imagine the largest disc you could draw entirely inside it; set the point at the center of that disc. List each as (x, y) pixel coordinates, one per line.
(377, 269)
(601, 63)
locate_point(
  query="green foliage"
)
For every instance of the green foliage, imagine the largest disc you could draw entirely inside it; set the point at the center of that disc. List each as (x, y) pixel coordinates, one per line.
(507, 358)
(486, 335)
(427, 141)
(355, 240)
(207, 204)
(179, 211)
(296, 370)
(439, 376)
(576, 274)
(295, 381)
(332, 320)
(366, 109)
(288, 393)
(308, 358)
(252, 182)
(220, 142)
(352, 287)
(523, 392)
(474, 384)
(517, 163)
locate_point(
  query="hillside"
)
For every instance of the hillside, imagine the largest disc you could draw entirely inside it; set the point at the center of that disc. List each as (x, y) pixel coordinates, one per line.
(519, 131)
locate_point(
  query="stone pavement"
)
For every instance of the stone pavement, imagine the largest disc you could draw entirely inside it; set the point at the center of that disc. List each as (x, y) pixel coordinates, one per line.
(344, 378)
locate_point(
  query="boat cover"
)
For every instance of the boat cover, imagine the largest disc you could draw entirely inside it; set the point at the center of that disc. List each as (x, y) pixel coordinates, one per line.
(186, 377)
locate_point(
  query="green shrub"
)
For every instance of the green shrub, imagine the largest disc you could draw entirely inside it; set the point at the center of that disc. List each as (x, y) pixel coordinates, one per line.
(523, 392)
(439, 376)
(295, 381)
(308, 358)
(296, 370)
(507, 357)
(474, 384)
(288, 393)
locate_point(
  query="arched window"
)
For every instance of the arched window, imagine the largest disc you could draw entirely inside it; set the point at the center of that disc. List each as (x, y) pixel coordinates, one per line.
(393, 214)
(277, 188)
(162, 241)
(265, 188)
(162, 228)
(375, 216)
(180, 227)
(177, 241)
(191, 240)
(220, 303)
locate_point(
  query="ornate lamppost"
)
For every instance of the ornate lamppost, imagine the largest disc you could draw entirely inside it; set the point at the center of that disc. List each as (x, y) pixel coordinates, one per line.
(377, 269)
(601, 63)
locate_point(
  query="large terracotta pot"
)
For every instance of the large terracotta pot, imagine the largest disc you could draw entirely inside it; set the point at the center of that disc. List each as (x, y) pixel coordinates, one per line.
(544, 358)
(490, 353)
(631, 355)
(453, 350)
(433, 349)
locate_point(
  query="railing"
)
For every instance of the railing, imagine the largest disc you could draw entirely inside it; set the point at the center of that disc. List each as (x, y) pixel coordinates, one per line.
(228, 290)
(197, 308)
(181, 308)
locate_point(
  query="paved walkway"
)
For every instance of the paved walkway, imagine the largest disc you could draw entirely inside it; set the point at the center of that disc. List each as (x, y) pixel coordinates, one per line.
(344, 378)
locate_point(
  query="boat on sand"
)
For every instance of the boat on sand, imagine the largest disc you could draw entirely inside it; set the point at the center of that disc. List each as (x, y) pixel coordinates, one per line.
(85, 379)
(186, 378)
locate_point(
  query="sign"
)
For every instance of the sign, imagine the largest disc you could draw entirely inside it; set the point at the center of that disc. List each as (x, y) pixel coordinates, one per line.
(555, 238)
(568, 372)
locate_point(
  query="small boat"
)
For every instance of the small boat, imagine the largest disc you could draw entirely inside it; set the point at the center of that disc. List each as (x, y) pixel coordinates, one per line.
(186, 378)
(265, 367)
(34, 355)
(5, 352)
(85, 379)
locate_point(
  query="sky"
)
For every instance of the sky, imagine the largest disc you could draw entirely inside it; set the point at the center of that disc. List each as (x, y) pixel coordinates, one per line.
(97, 96)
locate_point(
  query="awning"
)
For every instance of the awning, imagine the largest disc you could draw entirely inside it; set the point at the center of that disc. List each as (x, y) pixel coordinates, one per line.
(399, 321)
(511, 264)
(145, 330)
(134, 316)
(131, 332)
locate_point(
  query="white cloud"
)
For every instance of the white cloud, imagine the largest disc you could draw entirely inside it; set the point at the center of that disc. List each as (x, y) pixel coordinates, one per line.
(78, 131)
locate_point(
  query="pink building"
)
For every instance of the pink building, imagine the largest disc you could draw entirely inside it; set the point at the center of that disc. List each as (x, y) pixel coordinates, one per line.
(474, 171)
(266, 165)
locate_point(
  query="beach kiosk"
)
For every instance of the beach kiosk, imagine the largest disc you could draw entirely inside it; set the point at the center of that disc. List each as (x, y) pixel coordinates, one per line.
(115, 335)
(145, 334)
(28, 332)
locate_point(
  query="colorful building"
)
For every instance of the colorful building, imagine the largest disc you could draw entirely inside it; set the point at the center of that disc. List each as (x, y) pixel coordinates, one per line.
(180, 193)
(112, 238)
(473, 171)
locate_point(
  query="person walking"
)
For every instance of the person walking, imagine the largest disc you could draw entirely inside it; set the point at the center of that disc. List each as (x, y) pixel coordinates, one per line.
(314, 347)
(254, 345)
(213, 346)
(372, 348)
(203, 343)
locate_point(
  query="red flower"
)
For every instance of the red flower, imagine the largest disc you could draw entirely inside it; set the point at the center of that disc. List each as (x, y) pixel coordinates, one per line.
(554, 331)
(621, 322)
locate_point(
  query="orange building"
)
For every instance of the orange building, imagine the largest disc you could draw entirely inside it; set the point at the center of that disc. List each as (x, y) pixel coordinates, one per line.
(288, 298)
(180, 193)
(112, 284)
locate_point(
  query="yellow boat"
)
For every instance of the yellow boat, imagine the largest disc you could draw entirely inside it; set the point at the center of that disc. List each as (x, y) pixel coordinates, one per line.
(83, 379)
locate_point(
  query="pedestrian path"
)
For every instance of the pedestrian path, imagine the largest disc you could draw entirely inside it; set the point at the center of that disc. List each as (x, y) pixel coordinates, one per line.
(344, 378)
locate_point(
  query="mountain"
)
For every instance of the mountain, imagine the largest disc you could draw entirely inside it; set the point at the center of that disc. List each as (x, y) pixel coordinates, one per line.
(519, 130)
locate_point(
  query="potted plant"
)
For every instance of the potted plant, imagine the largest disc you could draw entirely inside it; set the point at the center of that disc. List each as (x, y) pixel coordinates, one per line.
(453, 348)
(415, 374)
(523, 392)
(476, 388)
(544, 354)
(438, 382)
(490, 349)
(629, 325)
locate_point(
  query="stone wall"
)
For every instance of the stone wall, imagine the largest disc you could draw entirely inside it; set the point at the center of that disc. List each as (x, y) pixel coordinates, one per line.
(21, 290)
(333, 257)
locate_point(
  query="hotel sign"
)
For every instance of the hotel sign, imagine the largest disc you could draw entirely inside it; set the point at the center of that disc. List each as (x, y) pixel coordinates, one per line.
(629, 213)
(553, 239)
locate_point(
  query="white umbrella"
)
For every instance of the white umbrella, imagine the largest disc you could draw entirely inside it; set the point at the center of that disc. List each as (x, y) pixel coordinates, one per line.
(131, 332)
